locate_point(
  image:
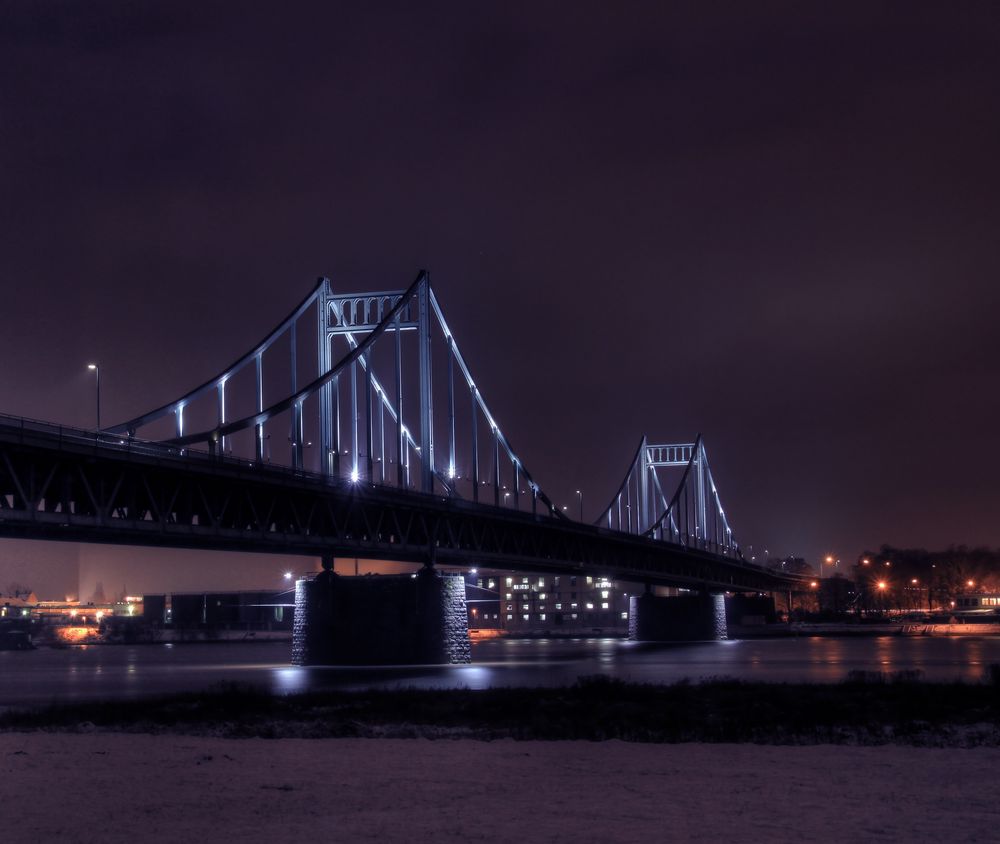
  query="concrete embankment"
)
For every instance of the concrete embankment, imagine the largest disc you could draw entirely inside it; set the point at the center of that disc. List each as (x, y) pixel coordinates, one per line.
(773, 631)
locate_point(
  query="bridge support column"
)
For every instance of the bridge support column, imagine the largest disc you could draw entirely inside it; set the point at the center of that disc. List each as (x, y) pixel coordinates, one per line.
(685, 618)
(380, 620)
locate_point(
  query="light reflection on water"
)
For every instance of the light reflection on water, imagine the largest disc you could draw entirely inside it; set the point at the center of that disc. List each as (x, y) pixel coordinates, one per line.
(47, 675)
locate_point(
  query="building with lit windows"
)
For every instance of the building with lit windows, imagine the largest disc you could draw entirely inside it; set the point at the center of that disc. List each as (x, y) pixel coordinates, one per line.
(981, 601)
(483, 604)
(538, 603)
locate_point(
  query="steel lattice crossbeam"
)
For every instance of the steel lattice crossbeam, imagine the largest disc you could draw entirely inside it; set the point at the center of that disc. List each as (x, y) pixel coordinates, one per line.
(66, 484)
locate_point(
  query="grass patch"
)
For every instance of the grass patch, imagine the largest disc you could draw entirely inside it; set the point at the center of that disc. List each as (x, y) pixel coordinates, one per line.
(866, 709)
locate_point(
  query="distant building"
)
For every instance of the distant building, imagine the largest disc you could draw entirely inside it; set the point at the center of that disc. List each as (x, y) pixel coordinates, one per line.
(538, 603)
(981, 601)
(247, 611)
(837, 594)
(11, 607)
(483, 604)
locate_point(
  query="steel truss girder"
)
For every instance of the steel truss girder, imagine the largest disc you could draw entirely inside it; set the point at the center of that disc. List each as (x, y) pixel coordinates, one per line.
(354, 312)
(94, 493)
(658, 456)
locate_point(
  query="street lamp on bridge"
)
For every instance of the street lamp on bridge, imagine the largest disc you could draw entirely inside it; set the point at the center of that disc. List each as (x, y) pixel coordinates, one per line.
(96, 369)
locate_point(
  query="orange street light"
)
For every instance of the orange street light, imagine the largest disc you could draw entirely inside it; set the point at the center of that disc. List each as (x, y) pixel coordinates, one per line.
(882, 584)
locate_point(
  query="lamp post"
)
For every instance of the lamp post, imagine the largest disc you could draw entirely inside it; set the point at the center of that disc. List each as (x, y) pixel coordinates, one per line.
(96, 369)
(580, 496)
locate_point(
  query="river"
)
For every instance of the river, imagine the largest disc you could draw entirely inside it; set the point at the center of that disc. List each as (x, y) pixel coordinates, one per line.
(100, 672)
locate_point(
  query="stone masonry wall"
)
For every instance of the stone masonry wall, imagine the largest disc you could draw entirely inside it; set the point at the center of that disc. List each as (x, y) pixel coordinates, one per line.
(685, 618)
(380, 620)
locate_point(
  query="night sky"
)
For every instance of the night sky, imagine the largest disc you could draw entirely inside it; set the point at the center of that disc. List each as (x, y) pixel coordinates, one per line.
(771, 223)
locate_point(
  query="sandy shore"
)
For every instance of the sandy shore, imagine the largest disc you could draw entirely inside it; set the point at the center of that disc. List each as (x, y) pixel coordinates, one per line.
(114, 787)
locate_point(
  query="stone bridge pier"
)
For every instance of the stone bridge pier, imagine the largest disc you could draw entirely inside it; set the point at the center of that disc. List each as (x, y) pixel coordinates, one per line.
(684, 618)
(406, 619)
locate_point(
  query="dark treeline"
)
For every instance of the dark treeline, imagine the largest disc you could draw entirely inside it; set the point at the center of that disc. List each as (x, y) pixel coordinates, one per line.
(918, 579)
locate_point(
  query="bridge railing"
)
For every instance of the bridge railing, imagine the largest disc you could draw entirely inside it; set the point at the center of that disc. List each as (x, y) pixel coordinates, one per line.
(26, 431)
(21, 430)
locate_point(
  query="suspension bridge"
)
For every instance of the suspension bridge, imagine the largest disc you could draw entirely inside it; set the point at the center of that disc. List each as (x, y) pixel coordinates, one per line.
(392, 453)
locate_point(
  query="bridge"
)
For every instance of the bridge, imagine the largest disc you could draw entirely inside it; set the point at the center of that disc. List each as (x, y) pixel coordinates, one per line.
(374, 489)
(392, 453)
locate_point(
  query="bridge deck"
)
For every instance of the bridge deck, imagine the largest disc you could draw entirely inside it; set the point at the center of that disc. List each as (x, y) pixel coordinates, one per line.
(61, 483)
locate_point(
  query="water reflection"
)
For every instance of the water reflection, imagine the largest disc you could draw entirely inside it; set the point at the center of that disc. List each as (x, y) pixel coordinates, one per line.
(49, 675)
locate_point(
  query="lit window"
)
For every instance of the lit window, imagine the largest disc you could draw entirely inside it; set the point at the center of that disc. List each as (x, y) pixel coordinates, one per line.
(542, 616)
(524, 607)
(541, 582)
(541, 597)
(510, 617)
(558, 606)
(604, 606)
(590, 606)
(573, 616)
(492, 584)
(479, 581)
(590, 580)
(525, 616)
(524, 580)
(510, 581)
(625, 615)
(572, 606)
(541, 607)
(508, 596)
(510, 606)
(604, 594)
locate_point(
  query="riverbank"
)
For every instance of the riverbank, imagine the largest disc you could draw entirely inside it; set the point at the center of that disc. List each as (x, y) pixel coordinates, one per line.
(92, 636)
(894, 628)
(867, 709)
(111, 788)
